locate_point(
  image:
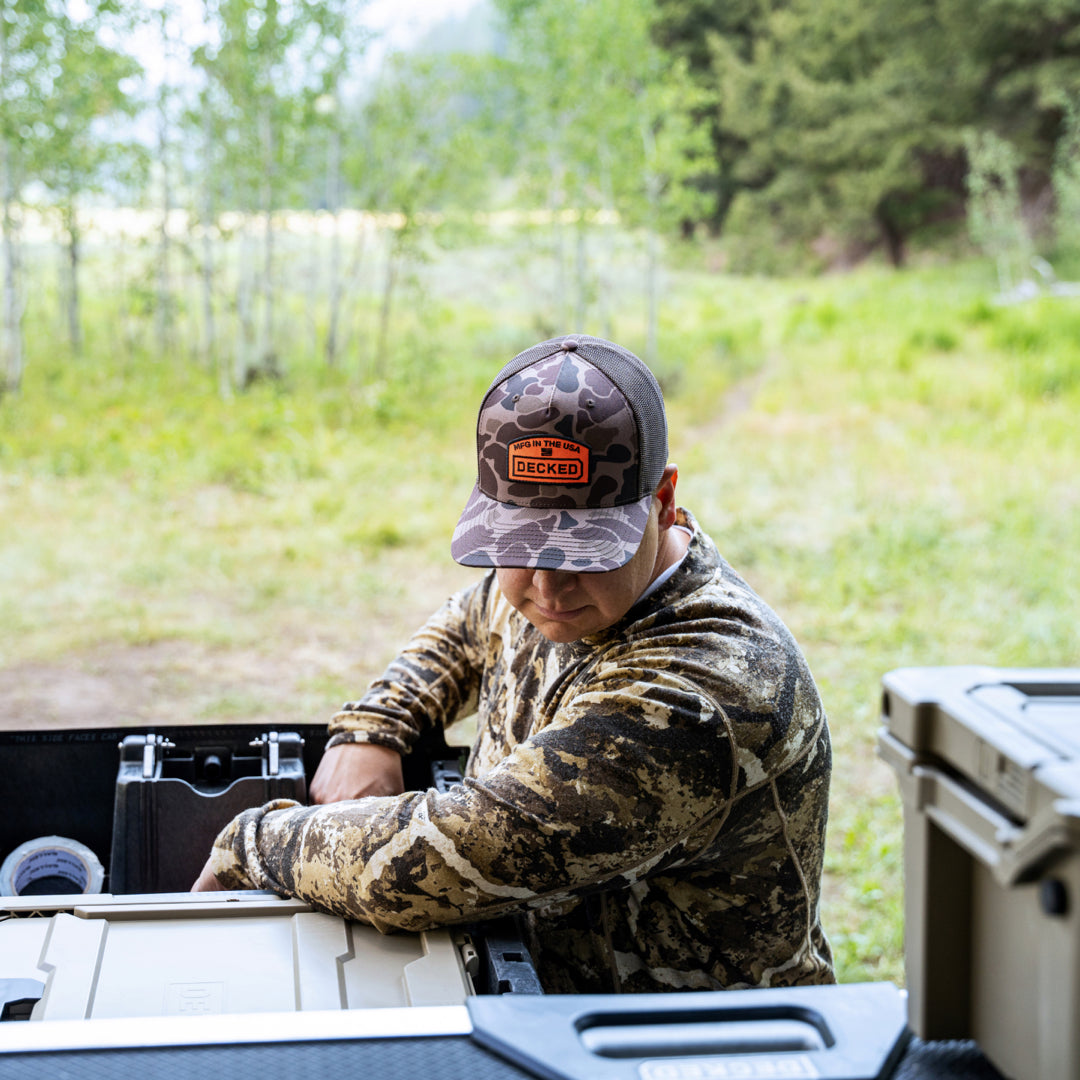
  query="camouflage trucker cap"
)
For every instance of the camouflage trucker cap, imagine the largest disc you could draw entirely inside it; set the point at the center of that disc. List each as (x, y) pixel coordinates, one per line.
(571, 443)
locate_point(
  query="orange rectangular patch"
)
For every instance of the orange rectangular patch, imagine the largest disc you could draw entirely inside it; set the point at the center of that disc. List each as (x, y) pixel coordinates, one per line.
(543, 459)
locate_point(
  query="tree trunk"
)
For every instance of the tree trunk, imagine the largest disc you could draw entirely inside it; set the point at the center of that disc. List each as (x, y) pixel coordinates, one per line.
(245, 367)
(333, 200)
(893, 237)
(389, 281)
(267, 353)
(555, 206)
(581, 307)
(653, 290)
(123, 326)
(72, 297)
(607, 257)
(163, 307)
(355, 329)
(11, 344)
(653, 187)
(212, 361)
(723, 189)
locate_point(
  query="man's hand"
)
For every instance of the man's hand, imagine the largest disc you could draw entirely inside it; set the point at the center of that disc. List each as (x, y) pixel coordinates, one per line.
(206, 882)
(347, 771)
(354, 770)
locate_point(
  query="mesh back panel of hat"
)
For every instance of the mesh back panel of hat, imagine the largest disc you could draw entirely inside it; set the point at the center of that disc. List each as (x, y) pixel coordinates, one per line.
(631, 377)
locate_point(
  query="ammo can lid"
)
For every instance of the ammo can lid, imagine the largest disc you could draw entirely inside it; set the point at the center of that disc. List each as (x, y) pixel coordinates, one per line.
(1012, 732)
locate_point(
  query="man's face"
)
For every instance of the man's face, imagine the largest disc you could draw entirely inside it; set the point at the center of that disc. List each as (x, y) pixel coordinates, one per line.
(565, 606)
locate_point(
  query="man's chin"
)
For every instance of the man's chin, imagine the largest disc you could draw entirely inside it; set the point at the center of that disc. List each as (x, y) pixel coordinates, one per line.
(560, 631)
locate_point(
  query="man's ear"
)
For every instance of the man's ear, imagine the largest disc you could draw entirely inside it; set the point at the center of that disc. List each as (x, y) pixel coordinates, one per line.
(665, 492)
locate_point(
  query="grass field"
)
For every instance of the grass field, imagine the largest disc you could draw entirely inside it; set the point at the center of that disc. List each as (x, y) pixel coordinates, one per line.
(889, 458)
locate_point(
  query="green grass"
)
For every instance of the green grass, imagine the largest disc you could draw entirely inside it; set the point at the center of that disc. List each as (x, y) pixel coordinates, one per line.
(896, 472)
(905, 492)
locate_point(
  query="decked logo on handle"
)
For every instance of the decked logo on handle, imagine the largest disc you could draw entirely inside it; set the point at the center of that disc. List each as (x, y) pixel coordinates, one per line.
(544, 459)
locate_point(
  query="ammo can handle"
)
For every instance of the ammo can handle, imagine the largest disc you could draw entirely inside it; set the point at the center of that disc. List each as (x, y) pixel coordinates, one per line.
(962, 814)
(1010, 851)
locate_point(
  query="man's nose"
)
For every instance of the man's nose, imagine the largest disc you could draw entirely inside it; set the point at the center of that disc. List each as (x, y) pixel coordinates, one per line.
(550, 584)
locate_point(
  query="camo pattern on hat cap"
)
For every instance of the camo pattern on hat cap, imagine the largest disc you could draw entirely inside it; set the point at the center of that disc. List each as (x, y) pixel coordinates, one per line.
(571, 445)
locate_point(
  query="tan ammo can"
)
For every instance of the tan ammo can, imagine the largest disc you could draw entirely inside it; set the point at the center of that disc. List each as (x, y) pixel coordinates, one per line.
(988, 761)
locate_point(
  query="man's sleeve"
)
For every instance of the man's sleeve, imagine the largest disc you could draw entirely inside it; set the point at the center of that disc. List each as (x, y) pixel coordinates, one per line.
(432, 682)
(631, 777)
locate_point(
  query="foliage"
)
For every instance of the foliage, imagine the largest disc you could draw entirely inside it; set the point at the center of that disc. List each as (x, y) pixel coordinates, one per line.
(1066, 180)
(91, 91)
(419, 154)
(849, 117)
(59, 85)
(690, 30)
(90, 87)
(591, 103)
(269, 71)
(994, 219)
(270, 63)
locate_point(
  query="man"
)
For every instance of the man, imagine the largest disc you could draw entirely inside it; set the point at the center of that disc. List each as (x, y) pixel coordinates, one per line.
(649, 783)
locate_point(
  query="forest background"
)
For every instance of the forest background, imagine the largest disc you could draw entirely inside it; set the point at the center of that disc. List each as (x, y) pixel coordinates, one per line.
(257, 271)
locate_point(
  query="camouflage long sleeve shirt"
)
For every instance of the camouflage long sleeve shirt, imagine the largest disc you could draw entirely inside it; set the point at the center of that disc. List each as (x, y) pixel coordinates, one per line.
(652, 798)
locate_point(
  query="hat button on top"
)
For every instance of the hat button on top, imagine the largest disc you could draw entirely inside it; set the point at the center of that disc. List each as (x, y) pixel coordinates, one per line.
(569, 345)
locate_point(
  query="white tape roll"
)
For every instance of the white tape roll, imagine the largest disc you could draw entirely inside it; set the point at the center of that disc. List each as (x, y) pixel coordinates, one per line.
(74, 865)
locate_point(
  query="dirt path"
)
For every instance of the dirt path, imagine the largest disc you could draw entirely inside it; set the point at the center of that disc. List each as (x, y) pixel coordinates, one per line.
(303, 670)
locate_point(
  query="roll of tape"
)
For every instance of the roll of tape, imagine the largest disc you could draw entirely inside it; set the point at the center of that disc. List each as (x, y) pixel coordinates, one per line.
(51, 864)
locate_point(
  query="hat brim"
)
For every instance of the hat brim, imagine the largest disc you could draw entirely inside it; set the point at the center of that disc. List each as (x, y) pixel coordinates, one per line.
(593, 541)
